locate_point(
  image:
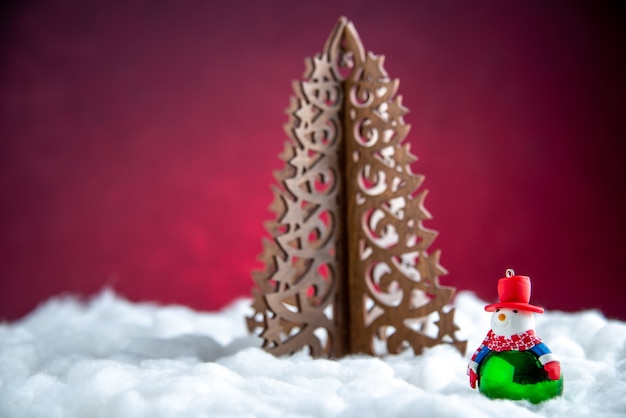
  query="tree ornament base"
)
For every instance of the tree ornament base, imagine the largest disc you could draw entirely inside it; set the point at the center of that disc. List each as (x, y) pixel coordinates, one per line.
(517, 375)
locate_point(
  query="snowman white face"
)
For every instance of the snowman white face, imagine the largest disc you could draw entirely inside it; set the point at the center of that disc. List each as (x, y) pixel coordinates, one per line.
(506, 322)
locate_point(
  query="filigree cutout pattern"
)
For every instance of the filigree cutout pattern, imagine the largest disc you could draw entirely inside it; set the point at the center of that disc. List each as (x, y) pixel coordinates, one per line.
(348, 270)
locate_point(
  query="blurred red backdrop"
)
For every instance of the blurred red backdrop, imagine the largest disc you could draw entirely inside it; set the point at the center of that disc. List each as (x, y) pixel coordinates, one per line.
(138, 140)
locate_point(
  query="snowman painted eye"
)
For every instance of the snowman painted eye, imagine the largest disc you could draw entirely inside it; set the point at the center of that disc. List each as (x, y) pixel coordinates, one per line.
(514, 310)
(498, 310)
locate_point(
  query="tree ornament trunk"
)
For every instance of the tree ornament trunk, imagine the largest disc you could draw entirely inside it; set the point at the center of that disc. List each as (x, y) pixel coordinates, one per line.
(348, 270)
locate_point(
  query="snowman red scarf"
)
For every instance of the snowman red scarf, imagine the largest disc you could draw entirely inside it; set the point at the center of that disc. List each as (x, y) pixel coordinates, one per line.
(518, 342)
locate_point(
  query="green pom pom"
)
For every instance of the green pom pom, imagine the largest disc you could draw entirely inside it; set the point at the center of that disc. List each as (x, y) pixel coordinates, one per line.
(516, 375)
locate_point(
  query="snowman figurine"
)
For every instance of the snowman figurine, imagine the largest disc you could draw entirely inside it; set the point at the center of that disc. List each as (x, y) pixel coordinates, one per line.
(512, 362)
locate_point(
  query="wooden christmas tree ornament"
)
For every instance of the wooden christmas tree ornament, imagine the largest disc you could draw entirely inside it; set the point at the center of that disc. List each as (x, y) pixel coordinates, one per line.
(347, 269)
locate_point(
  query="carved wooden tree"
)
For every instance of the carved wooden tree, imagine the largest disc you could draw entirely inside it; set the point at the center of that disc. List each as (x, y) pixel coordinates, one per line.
(348, 270)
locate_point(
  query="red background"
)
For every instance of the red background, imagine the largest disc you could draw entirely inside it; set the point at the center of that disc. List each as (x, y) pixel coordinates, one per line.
(138, 141)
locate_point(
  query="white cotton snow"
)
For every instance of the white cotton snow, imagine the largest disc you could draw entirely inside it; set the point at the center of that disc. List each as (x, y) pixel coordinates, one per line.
(113, 358)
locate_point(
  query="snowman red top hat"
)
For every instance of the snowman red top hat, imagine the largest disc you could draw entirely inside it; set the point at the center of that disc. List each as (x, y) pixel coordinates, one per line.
(514, 293)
